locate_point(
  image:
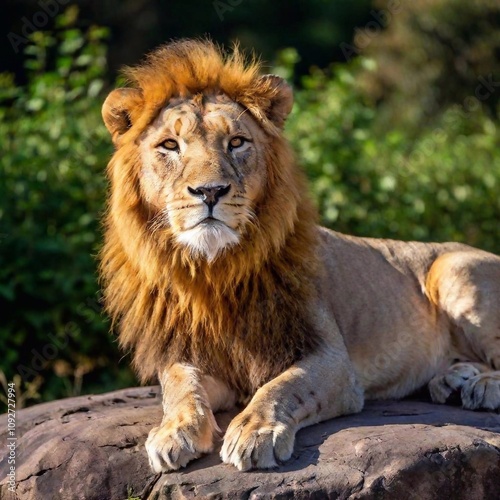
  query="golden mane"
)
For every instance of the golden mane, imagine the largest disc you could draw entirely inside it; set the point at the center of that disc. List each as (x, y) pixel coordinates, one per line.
(188, 67)
(242, 317)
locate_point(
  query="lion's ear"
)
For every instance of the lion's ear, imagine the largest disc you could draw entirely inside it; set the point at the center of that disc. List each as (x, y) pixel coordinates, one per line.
(117, 111)
(280, 98)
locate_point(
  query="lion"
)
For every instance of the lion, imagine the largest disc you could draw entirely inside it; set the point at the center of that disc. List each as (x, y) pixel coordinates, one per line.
(225, 288)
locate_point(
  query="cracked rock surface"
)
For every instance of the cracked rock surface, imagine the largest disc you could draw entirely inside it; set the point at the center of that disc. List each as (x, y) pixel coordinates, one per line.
(92, 447)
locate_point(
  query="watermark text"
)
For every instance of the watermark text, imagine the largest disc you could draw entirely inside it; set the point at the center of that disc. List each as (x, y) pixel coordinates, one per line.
(11, 436)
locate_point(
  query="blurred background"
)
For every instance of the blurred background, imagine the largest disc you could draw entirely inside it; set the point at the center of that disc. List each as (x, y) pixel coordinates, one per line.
(396, 123)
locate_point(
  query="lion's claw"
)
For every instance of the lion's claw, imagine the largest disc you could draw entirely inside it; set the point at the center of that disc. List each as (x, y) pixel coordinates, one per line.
(171, 446)
(252, 443)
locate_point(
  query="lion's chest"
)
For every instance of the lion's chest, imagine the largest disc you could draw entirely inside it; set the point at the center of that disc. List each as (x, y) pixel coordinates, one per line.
(242, 346)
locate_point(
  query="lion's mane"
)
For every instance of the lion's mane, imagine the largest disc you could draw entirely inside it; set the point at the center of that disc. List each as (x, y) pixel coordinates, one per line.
(243, 317)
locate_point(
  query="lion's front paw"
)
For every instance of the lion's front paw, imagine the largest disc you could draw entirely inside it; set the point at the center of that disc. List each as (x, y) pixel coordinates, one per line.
(443, 386)
(171, 446)
(254, 442)
(482, 392)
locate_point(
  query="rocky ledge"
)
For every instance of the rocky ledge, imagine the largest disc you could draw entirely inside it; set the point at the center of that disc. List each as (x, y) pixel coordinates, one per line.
(92, 447)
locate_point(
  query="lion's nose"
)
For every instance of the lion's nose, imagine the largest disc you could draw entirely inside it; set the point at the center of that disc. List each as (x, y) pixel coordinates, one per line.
(210, 194)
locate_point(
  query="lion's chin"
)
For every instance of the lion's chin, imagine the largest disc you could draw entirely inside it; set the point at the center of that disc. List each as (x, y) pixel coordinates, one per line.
(208, 240)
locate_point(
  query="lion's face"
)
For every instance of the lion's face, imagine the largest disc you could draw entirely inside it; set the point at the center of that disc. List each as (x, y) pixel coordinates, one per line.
(200, 151)
(203, 172)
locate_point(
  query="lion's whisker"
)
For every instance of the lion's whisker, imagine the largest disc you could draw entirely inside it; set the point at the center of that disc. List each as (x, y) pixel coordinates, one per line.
(159, 221)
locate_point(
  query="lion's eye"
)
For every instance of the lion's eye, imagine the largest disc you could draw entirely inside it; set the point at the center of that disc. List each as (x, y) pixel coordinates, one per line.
(170, 144)
(236, 142)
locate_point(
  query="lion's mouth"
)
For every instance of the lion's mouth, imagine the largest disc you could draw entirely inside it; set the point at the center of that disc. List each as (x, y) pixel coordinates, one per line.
(209, 221)
(205, 223)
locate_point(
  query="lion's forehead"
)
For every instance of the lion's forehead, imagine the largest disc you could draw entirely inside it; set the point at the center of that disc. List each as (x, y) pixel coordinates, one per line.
(188, 117)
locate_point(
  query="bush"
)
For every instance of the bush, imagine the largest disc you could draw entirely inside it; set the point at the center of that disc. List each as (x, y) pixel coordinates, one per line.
(54, 152)
(433, 54)
(441, 184)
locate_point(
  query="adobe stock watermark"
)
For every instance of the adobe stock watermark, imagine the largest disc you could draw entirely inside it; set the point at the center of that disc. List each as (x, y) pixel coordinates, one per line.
(222, 7)
(39, 20)
(364, 36)
(11, 436)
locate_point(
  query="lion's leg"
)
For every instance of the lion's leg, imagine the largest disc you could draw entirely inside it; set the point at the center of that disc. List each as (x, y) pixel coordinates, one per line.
(466, 287)
(319, 387)
(188, 426)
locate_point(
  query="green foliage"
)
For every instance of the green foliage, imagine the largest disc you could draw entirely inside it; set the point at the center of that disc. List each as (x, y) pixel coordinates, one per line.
(54, 148)
(433, 54)
(439, 182)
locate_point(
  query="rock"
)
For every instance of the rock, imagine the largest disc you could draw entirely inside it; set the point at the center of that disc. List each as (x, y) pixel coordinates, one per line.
(92, 447)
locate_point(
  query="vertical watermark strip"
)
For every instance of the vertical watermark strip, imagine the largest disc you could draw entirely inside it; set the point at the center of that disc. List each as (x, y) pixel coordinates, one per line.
(11, 435)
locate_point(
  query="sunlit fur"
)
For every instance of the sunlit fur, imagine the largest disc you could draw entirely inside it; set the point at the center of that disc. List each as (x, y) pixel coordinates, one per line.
(170, 304)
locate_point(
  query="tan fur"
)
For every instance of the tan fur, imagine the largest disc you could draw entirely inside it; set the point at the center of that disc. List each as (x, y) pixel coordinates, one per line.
(249, 299)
